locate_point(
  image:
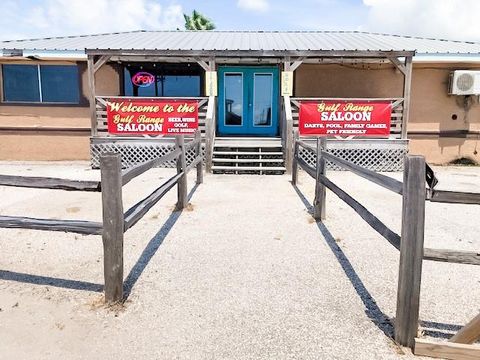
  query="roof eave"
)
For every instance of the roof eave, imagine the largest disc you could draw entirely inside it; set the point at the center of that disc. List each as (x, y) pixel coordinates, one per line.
(254, 53)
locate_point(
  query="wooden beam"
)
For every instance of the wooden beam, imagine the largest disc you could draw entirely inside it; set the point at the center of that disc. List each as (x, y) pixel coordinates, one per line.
(469, 333)
(100, 62)
(366, 215)
(446, 350)
(296, 64)
(372, 54)
(91, 97)
(411, 251)
(137, 211)
(379, 179)
(288, 134)
(209, 133)
(452, 256)
(74, 226)
(398, 64)
(181, 169)
(134, 171)
(49, 183)
(320, 190)
(203, 64)
(453, 197)
(198, 153)
(295, 159)
(113, 226)
(407, 85)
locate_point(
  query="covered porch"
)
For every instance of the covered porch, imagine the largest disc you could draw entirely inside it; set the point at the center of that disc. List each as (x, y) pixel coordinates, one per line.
(225, 143)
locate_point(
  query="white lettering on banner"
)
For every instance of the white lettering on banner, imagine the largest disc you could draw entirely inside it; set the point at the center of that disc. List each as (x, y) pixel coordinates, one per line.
(346, 116)
(140, 127)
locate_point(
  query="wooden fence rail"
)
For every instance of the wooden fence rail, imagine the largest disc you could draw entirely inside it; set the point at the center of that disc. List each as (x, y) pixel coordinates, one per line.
(411, 241)
(49, 183)
(114, 221)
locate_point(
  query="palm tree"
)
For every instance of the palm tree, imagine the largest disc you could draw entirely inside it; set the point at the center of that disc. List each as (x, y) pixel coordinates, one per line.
(198, 22)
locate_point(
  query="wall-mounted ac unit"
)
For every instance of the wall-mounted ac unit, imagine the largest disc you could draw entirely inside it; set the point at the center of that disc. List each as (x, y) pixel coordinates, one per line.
(464, 82)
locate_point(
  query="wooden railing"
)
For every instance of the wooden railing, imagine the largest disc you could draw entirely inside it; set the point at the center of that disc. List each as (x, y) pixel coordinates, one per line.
(115, 222)
(411, 241)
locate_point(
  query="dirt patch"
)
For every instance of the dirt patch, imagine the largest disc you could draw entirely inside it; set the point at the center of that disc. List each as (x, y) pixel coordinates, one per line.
(73, 209)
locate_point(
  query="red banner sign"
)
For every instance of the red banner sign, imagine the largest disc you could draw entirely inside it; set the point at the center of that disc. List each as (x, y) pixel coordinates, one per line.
(345, 118)
(153, 117)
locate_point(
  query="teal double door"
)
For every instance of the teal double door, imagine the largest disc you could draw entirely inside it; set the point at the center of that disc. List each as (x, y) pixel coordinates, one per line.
(248, 101)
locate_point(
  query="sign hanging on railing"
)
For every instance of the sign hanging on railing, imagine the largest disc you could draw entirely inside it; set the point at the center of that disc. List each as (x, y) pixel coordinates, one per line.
(152, 117)
(345, 118)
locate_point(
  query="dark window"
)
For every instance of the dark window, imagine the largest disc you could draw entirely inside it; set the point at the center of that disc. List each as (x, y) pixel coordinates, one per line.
(170, 80)
(20, 83)
(59, 83)
(40, 83)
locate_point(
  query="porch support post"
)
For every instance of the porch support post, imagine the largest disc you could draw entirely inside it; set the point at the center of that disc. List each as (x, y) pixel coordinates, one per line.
(288, 125)
(210, 124)
(406, 95)
(93, 65)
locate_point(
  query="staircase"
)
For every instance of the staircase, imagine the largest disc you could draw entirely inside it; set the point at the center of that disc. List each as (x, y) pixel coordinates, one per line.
(247, 155)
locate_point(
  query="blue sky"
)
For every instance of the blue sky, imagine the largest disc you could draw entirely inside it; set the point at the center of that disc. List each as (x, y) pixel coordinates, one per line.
(452, 19)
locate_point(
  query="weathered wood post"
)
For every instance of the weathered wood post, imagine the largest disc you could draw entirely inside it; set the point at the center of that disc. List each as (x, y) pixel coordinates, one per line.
(113, 226)
(209, 134)
(411, 250)
(198, 152)
(181, 166)
(320, 190)
(295, 158)
(288, 133)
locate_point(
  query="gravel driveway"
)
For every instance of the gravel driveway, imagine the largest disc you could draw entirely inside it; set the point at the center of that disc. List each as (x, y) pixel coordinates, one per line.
(243, 273)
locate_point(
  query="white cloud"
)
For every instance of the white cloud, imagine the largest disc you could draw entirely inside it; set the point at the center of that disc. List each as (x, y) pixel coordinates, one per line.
(74, 17)
(253, 5)
(451, 19)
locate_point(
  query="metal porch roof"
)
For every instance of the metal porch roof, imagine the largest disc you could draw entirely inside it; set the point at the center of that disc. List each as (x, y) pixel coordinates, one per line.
(246, 40)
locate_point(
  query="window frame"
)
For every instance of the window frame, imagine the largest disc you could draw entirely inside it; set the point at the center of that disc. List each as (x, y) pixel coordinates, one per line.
(82, 100)
(164, 69)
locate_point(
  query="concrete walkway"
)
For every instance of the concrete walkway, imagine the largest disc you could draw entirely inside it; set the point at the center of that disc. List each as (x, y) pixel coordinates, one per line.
(243, 273)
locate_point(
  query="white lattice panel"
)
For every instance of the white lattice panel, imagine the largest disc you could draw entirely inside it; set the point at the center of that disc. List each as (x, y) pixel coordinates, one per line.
(377, 158)
(136, 152)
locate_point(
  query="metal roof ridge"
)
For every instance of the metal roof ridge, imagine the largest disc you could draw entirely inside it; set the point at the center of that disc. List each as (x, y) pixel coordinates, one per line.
(74, 36)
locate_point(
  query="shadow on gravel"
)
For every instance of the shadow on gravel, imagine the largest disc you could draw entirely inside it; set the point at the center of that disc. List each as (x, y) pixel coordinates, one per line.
(382, 321)
(375, 314)
(151, 249)
(50, 281)
(129, 282)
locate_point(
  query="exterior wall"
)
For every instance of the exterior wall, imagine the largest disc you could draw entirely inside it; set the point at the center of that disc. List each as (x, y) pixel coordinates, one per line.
(431, 129)
(45, 132)
(52, 132)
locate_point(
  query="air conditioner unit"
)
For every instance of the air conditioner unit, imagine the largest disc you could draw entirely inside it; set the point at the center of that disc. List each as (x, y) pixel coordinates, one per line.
(464, 82)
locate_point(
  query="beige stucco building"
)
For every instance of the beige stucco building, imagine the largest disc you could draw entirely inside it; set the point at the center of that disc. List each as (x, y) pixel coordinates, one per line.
(441, 126)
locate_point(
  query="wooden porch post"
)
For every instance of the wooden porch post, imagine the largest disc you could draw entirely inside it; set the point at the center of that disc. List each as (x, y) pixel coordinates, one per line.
(407, 84)
(210, 121)
(92, 67)
(91, 87)
(288, 125)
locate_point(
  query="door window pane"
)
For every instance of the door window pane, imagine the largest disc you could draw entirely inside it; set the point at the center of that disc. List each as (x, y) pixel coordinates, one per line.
(59, 83)
(20, 83)
(262, 102)
(233, 99)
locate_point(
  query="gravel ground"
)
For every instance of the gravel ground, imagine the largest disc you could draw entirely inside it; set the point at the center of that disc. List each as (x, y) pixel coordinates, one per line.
(243, 273)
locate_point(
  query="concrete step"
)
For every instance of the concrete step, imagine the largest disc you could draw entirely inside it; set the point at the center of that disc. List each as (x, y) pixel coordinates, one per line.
(249, 168)
(230, 160)
(272, 153)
